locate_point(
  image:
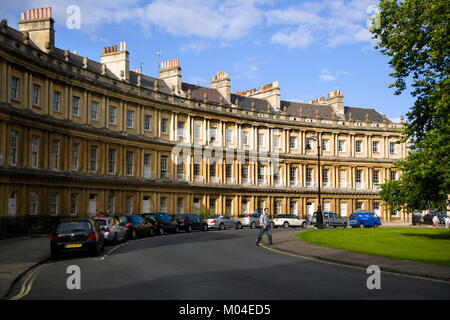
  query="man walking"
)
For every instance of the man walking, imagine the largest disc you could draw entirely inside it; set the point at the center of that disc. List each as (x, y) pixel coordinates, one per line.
(264, 222)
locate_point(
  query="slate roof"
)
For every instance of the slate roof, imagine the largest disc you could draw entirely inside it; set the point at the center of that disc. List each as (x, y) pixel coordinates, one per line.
(198, 92)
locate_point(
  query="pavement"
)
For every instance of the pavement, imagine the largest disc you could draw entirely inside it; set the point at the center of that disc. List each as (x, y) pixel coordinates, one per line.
(19, 255)
(287, 242)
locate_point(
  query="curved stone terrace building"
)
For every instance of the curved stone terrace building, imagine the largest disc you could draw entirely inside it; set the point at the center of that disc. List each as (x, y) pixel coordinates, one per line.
(78, 137)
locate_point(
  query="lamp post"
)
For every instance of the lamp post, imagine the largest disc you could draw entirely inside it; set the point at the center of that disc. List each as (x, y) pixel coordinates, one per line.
(319, 217)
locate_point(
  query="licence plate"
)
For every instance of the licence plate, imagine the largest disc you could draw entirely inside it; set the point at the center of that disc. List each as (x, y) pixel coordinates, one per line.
(75, 245)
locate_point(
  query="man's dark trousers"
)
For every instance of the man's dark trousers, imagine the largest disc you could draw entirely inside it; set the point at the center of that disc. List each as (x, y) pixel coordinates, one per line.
(261, 233)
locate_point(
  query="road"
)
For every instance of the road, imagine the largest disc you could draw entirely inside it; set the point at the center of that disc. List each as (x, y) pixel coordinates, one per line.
(215, 265)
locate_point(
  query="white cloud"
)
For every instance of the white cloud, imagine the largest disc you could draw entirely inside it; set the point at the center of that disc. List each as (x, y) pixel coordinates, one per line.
(327, 75)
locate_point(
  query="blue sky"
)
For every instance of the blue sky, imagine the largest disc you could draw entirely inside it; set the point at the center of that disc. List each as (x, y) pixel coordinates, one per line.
(310, 47)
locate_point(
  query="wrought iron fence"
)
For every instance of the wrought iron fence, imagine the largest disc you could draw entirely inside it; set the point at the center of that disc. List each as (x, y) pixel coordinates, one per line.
(28, 225)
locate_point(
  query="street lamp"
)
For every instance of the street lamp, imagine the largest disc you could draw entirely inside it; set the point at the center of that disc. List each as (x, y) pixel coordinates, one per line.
(319, 218)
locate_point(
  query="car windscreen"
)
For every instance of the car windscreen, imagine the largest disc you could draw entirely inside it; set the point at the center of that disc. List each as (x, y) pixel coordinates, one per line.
(74, 226)
(280, 216)
(353, 216)
(181, 217)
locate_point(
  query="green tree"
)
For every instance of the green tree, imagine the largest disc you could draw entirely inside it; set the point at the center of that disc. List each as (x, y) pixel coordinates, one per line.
(414, 34)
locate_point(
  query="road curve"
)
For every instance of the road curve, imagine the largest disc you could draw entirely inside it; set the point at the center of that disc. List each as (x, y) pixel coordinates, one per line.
(216, 265)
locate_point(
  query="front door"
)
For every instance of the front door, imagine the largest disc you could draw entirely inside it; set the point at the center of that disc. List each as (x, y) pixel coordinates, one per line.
(309, 210)
(12, 204)
(146, 205)
(92, 205)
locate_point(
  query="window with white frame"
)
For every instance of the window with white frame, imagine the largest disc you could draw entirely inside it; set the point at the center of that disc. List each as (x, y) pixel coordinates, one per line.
(14, 88)
(75, 155)
(197, 171)
(358, 146)
(229, 207)
(309, 176)
(393, 175)
(180, 169)
(244, 137)
(94, 153)
(309, 144)
(376, 177)
(261, 205)
(164, 166)
(36, 95)
(293, 176)
(180, 129)
(359, 205)
(261, 139)
(276, 175)
(112, 115)
(163, 204)
(293, 208)
(392, 148)
(147, 165)
(33, 203)
(35, 151)
(229, 136)
(212, 170)
(375, 146)
(164, 127)
(197, 130)
(261, 174)
(130, 119)
(56, 101)
(73, 203)
(325, 144)
(229, 171)
(276, 141)
(55, 154)
(129, 163)
(212, 206)
(94, 111)
(180, 205)
(278, 207)
(244, 173)
(54, 203)
(213, 134)
(111, 203)
(14, 147)
(112, 161)
(327, 206)
(325, 177)
(342, 145)
(343, 178)
(147, 122)
(76, 106)
(293, 142)
(129, 204)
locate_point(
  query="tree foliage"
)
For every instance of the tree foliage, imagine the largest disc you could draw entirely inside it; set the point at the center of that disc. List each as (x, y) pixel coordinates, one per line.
(414, 34)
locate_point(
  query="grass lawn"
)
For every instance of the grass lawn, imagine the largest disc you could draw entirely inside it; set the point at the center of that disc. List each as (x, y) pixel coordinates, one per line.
(424, 245)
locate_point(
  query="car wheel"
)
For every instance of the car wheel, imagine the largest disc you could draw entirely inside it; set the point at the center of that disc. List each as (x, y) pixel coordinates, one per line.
(345, 225)
(375, 225)
(252, 226)
(150, 232)
(189, 228)
(205, 227)
(304, 225)
(327, 225)
(271, 225)
(125, 237)
(115, 239)
(133, 234)
(361, 225)
(238, 226)
(221, 226)
(286, 225)
(176, 230)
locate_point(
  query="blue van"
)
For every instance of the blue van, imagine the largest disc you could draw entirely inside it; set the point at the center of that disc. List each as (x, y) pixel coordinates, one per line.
(364, 219)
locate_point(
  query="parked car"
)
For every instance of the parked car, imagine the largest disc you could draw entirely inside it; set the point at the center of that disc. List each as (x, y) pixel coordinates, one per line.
(331, 219)
(163, 222)
(289, 220)
(250, 219)
(428, 218)
(191, 221)
(113, 231)
(77, 235)
(364, 219)
(138, 226)
(222, 222)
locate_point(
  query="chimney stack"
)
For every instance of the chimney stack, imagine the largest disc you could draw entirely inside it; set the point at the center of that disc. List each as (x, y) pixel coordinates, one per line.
(40, 26)
(171, 74)
(336, 101)
(270, 92)
(221, 82)
(117, 61)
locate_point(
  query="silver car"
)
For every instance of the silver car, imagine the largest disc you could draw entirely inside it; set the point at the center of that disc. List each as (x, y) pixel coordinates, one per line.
(112, 230)
(250, 219)
(223, 222)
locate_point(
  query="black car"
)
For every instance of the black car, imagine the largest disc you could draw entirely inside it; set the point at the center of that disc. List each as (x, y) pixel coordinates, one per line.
(77, 235)
(191, 221)
(137, 226)
(163, 222)
(428, 218)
